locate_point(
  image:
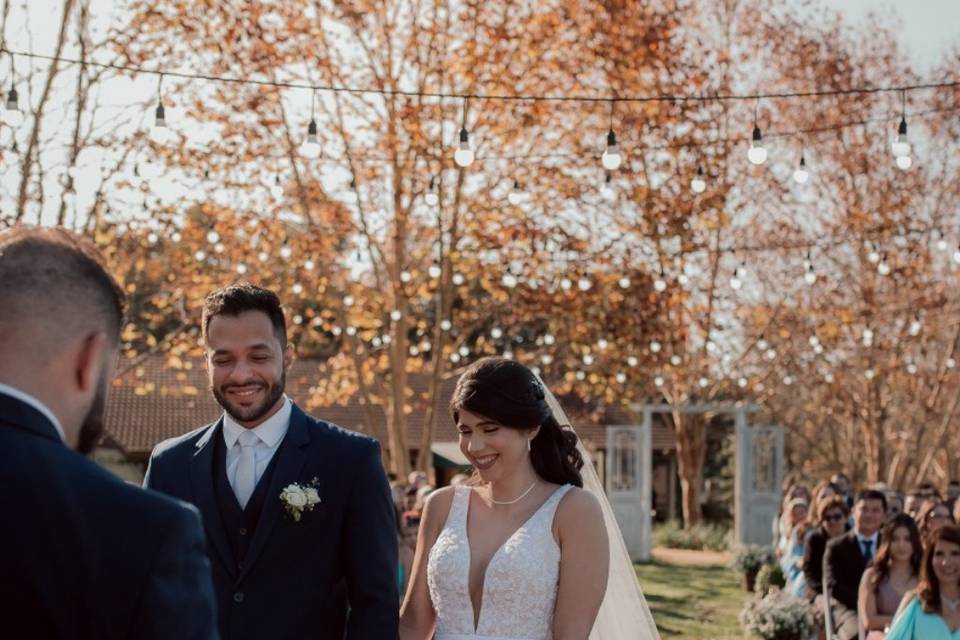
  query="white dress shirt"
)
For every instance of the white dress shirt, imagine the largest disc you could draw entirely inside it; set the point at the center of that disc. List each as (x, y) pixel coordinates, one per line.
(270, 432)
(23, 396)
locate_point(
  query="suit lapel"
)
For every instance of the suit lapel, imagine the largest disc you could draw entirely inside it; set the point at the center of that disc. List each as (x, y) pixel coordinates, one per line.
(201, 475)
(291, 457)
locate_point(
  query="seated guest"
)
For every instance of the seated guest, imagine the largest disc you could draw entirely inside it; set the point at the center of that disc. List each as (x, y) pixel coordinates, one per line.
(791, 560)
(821, 491)
(846, 558)
(894, 504)
(913, 503)
(893, 573)
(784, 523)
(932, 612)
(832, 522)
(953, 492)
(933, 515)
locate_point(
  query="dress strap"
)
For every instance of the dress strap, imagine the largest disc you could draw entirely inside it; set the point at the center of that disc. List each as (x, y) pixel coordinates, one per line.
(461, 503)
(549, 508)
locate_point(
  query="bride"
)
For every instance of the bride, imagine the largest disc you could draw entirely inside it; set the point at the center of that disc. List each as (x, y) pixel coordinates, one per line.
(526, 553)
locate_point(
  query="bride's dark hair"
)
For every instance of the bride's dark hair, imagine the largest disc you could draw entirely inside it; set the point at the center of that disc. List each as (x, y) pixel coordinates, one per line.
(511, 395)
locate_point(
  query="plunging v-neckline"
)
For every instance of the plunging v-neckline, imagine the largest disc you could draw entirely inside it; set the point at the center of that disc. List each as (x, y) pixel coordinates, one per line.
(478, 611)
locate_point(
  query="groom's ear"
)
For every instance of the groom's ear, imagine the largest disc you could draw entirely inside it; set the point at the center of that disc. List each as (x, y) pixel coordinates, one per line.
(89, 359)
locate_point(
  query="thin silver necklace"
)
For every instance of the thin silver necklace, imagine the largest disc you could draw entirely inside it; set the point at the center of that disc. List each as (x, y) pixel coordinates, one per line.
(515, 500)
(953, 604)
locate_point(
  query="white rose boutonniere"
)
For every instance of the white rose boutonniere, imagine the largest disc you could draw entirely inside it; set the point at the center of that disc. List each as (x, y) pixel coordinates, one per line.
(297, 498)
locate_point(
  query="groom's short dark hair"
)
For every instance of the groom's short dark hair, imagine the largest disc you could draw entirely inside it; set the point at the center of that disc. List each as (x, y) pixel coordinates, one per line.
(243, 296)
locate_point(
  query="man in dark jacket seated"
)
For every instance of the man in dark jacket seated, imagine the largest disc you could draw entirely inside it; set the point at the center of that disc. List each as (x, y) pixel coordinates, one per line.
(847, 557)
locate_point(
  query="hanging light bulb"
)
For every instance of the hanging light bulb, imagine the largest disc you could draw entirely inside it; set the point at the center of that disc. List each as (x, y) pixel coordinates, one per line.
(433, 194)
(676, 360)
(660, 284)
(941, 241)
(584, 284)
(810, 277)
(762, 344)
(160, 116)
(458, 279)
(516, 195)
(549, 339)
(509, 280)
(884, 267)
(276, 189)
(735, 282)
(611, 158)
(434, 271)
(632, 361)
(310, 148)
(699, 183)
(464, 153)
(445, 325)
(395, 315)
(801, 175)
(874, 255)
(607, 189)
(213, 237)
(285, 251)
(496, 333)
(757, 154)
(658, 381)
(904, 162)
(901, 146)
(624, 282)
(655, 346)
(12, 114)
(916, 326)
(956, 256)
(867, 337)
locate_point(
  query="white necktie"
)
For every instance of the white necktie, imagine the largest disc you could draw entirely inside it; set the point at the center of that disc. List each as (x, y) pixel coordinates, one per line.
(246, 479)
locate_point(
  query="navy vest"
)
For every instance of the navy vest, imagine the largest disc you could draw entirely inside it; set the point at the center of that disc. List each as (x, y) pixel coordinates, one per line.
(238, 523)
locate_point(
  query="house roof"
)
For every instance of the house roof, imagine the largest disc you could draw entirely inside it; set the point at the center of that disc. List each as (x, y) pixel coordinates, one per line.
(152, 401)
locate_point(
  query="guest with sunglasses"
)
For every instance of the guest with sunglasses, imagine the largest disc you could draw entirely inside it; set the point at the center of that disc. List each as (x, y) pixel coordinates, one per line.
(832, 516)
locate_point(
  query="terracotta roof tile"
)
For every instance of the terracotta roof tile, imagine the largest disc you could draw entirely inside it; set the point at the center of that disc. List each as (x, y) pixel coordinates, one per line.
(152, 402)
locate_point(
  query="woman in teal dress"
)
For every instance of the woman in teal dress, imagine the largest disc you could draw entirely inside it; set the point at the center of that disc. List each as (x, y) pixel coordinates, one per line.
(933, 611)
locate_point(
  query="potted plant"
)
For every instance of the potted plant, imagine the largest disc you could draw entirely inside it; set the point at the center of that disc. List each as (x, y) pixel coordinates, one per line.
(748, 560)
(778, 616)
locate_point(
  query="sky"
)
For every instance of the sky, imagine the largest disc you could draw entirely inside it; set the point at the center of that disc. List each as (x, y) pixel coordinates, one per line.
(930, 27)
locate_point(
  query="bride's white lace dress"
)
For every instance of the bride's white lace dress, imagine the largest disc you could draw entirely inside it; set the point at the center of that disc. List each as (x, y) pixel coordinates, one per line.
(520, 584)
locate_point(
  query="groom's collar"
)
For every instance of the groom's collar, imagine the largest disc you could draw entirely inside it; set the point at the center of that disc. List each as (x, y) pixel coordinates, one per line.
(270, 431)
(28, 399)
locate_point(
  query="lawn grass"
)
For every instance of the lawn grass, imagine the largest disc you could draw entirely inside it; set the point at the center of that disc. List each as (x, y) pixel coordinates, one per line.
(693, 602)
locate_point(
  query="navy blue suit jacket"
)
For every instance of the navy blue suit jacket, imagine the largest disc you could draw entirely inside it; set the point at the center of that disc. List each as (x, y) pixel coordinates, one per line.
(331, 575)
(84, 554)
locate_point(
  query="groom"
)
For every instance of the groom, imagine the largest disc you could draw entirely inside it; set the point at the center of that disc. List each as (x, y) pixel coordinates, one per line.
(315, 560)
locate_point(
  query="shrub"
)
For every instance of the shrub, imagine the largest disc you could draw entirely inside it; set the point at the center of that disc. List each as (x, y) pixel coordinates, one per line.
(701, 537)
(750, 557)
(778, 616)
(770, 577)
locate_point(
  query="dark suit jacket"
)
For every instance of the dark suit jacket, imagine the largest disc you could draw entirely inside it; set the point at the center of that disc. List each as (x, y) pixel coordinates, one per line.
(84, 554)
(814, 546)
(298, 579)
(843, 566)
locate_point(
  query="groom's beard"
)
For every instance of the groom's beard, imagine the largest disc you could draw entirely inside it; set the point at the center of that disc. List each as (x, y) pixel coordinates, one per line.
(92, 427)
(254, 413)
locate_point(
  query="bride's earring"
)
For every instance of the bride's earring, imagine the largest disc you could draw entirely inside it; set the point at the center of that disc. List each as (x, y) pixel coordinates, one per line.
(529, 440)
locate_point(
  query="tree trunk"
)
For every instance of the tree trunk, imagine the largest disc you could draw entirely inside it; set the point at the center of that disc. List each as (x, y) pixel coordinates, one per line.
(32, 145)
(691, 435)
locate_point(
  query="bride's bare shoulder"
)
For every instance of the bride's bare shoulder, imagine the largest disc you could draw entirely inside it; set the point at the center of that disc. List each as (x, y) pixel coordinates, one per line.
(579, 508)
(437, 507)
